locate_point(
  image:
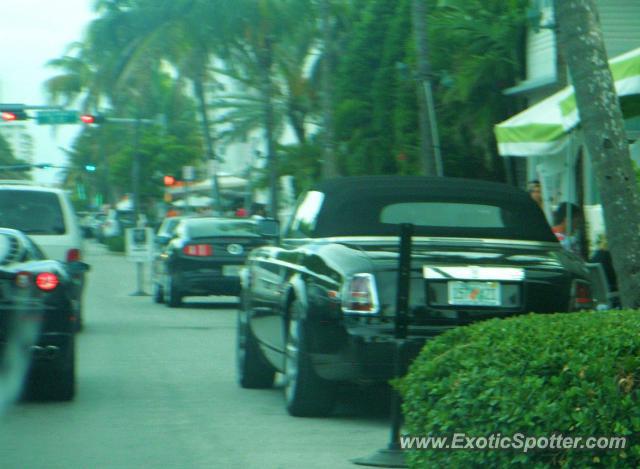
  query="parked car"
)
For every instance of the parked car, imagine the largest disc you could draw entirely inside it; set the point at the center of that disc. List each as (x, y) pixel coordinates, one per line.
(320, 306)
(47, 216)
(204, 258)
(90, 224)
(37, 311)
(167, 230)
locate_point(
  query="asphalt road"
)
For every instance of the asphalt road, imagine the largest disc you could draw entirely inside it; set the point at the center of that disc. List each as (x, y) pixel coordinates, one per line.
(156, 388)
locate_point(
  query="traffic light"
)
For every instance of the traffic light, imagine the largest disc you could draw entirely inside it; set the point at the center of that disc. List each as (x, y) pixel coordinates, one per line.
(169, 180)
(14, 116)
(92, 118)
(89, 167)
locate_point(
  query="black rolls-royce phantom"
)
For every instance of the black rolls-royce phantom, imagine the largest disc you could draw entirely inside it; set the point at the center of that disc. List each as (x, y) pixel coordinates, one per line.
(320, 306)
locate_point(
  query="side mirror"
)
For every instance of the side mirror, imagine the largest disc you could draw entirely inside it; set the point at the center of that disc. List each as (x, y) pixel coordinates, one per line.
(78, 267)
(269, 228)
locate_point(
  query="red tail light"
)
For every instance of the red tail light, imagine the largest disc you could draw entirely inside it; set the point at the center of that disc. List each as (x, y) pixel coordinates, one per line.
(581, 297)
(47, 281)
(198, 250)
(73, 255)
(360, 295)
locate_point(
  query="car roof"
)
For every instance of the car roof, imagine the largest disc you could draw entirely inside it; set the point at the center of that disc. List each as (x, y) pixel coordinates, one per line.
(25, 186)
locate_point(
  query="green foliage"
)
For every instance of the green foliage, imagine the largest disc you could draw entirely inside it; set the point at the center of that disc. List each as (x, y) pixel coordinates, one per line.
(7, 158)
(576, 374)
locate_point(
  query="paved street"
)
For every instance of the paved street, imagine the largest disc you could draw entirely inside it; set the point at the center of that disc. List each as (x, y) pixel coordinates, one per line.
(156, 388)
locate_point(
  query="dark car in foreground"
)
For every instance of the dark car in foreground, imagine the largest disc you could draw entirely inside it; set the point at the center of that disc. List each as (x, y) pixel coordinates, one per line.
(320, 306)
(37, 316)
(204, 257)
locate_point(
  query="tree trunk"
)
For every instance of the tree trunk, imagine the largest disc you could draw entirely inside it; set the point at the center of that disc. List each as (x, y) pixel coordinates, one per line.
(580, 39)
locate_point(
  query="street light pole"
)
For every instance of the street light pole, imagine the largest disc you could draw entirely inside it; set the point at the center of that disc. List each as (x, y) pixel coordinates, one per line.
(429, 138)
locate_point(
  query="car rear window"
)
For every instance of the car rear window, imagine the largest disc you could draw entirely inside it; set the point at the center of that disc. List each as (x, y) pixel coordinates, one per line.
(378, 213)
(33, 212)
(204, 228)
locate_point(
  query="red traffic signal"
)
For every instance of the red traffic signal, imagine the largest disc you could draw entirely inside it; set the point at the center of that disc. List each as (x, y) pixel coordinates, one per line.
(92, 118)
(14, 115)
(169, 180)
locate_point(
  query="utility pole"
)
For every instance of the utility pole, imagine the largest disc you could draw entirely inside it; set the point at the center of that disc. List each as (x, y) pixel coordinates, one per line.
(212, 163)
(269, 124)
(429, 138)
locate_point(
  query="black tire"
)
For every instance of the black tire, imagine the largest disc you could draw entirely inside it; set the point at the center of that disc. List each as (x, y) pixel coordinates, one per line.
(252, 368)
(306, 394)
(59, 382)
(173, 296)
(157, 294)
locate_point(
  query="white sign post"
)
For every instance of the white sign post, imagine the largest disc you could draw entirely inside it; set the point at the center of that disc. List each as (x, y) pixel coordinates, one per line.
(139, 248)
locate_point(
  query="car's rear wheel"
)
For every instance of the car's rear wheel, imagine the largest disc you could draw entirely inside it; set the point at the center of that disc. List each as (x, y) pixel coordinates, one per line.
(173, 296)
(157, 294)
(253, 370)
(306, 394)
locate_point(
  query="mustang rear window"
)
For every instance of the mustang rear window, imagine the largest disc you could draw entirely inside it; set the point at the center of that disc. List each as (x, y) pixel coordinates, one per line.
(33, 212)
(205, 228)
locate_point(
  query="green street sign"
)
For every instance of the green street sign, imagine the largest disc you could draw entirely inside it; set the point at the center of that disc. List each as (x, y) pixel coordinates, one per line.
(57, 117)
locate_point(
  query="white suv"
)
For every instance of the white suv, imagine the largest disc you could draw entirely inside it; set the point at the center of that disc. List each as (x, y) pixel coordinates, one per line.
(45, 214)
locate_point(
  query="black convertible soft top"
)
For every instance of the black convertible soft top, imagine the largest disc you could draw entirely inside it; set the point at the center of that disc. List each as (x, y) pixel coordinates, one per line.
(353, 206)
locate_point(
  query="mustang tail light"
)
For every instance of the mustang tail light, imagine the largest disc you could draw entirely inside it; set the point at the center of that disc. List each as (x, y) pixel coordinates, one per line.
(581, 296)
(73, 255)
(198, 250)
(47, 281)
(360, 295)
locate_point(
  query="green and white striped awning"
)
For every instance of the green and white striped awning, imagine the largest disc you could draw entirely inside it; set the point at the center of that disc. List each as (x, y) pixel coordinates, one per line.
(543, 128)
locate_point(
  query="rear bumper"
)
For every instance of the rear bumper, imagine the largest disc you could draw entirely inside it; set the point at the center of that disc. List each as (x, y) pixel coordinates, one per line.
(364, 354)
(195, 283)
(51, 347)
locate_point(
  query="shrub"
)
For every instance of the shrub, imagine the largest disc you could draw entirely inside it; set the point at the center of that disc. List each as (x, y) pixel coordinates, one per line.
(115, 243)
(571, 374)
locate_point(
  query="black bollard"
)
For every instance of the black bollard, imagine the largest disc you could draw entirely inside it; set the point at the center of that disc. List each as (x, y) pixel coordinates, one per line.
(393, 455)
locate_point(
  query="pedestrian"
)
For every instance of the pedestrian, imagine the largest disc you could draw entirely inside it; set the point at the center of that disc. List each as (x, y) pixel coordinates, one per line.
(602, 256)
(567, 227)
(258, 211)
(535, 191)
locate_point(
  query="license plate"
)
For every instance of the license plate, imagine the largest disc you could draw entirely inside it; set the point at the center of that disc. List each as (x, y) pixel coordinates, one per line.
(231, 270)
(474, 293)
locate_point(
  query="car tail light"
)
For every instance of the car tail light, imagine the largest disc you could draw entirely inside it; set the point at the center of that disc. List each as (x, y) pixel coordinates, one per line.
(198, 250)
(23, 279)
(47, 281)
(73, 255)
(360, 295)
(581, 296)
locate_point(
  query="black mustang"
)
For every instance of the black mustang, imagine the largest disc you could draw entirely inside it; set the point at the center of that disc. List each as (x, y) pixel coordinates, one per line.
(37, 319)
(204, 257)
(320, 307)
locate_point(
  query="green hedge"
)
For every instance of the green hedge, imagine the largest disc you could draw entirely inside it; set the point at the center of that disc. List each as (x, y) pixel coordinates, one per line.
(115, 243)
(576, 374)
